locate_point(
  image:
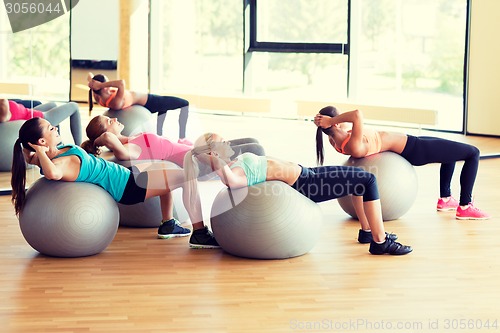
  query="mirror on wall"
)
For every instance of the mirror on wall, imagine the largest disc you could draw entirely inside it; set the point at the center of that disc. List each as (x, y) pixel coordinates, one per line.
(49, 62)
(94, 46)
(34, 65)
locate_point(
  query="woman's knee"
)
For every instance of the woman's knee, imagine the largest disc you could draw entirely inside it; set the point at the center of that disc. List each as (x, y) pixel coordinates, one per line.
(369, 188)
(475, 152)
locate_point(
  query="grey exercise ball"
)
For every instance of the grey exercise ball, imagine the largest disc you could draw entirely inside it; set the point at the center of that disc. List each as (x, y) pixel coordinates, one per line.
(9, 132)
(269, 220)
(68, 219)
(135, 119)
(397, 183)
(147, 214)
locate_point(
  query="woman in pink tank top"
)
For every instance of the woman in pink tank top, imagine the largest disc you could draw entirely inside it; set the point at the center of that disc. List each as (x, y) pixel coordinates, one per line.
(105, 131)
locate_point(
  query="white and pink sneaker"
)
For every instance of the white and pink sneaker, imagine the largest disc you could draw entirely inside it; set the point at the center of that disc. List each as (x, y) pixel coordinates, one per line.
(449, 205)
(185, 141)
(471, 213)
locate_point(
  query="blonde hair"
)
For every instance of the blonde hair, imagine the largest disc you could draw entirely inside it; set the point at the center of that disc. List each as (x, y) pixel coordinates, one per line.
(204, 144)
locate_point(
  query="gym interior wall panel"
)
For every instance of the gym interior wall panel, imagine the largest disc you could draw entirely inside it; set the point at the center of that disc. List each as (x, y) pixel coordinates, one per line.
(483, 100)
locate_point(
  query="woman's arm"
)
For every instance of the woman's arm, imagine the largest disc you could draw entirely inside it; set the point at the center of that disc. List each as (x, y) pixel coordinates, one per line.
(111, 141)
(50, 170)
(230, 177)
(356, 146)
(118, 101)
(4, 110)
(30, 157)
(325, 121)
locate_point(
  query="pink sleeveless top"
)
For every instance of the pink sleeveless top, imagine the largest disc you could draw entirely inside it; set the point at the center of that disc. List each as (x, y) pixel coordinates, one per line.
(371, 137)
(19, 112)
(155, 147)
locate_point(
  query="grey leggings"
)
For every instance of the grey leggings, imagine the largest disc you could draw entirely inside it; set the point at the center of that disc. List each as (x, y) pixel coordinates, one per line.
(240, 146)
(246, 145)
(56, 114)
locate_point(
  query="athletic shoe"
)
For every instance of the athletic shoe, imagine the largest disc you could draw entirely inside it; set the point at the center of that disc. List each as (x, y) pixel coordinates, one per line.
(203, 239)
(443, 206)
(172, 228)
(365, 237)
(185, 141)
(471, 213)
(390, 247)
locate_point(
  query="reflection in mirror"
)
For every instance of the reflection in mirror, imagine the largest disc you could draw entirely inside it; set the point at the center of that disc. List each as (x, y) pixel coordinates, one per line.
(34, 65)
(32, 174)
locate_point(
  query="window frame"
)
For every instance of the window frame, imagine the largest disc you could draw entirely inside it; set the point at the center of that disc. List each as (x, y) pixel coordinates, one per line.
(287, 47)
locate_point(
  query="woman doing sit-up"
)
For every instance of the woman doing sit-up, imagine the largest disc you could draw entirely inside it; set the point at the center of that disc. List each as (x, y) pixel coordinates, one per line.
(105, 131)
(348, 136)
(114, 95)
(38, 144)
(318, 184)
(11, 110)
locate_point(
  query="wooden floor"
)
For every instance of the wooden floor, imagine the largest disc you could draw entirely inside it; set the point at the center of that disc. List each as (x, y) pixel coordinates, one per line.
(143, 284)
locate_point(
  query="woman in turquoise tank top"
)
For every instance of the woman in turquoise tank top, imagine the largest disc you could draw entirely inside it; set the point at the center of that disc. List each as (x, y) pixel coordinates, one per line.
(38, 145)
(318, 184)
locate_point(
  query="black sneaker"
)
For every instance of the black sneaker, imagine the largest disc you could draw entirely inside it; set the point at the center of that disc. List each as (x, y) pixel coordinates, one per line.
(390, 247)
(365, 237)
(172, 228)
(203, 239)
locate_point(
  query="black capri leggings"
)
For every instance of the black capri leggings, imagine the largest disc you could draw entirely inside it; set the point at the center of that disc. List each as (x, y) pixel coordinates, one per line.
(424, 150)
(161, 104)
(331, 182)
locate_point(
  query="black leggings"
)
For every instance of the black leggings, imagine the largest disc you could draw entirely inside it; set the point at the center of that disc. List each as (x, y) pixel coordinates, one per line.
(162, 104)
(331, 182)
(424, 150)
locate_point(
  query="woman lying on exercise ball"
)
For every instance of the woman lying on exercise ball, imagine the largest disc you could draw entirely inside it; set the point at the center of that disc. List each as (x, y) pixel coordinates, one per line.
(348, 136)
(105, 131)
(11, 110)
(318, 184)
(38, 144)
(113, 95)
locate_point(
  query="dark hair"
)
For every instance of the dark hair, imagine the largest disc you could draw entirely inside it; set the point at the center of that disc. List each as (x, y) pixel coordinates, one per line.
(29, 132)
(320, 152)
(100, 78)
(94, 130)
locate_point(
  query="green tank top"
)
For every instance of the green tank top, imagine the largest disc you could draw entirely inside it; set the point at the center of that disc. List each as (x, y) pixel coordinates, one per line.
(254, 166)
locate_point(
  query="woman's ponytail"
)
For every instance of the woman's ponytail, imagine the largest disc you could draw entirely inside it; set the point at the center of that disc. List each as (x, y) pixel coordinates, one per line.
(90, 147)
(30, 132)
(18, 177)
(100, 78)
(330, 111)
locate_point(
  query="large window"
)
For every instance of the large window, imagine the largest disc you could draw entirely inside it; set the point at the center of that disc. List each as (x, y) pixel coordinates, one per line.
(38, 57)
(410, 53)
(306, 21)
(397, 53)
(196, 46)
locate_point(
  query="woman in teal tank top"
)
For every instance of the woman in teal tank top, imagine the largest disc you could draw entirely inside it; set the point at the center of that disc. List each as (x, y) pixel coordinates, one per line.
(318, 184)
(38, 144)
